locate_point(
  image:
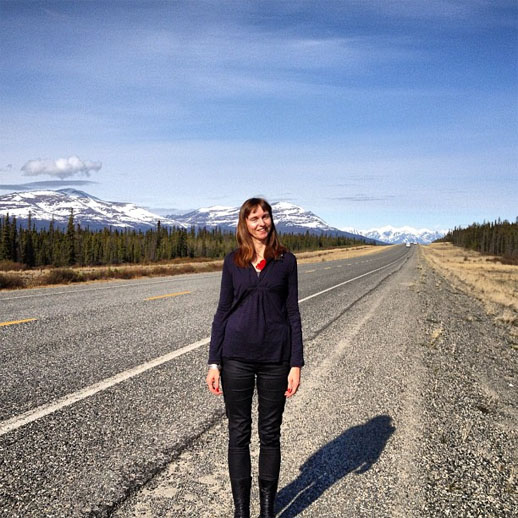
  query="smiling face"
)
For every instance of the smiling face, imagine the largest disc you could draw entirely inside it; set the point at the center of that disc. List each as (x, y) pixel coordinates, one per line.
(259, 223)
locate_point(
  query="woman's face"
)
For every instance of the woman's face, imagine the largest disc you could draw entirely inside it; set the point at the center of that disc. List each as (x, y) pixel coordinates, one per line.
(259, 223)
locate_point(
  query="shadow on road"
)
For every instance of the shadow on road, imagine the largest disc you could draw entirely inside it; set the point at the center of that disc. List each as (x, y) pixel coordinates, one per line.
(353, 451)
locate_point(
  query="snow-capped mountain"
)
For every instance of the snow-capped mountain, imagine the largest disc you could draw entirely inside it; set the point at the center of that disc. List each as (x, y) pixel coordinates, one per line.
(89, 211)
(406, 234)
(94, 213)
(288, 218)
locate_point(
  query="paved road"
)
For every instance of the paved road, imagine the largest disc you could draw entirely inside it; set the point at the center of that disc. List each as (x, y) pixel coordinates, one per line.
(86, 456)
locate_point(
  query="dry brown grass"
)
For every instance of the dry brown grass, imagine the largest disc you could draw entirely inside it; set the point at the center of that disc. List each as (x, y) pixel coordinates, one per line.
(11, 281)
(35, 278)
(10, 266)
(494, 283)
(38, 277)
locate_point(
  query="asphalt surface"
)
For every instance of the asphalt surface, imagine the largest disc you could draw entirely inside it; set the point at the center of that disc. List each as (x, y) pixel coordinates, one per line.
(88, 457)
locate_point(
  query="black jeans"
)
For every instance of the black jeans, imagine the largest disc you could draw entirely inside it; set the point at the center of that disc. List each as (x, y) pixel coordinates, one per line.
(238, 380)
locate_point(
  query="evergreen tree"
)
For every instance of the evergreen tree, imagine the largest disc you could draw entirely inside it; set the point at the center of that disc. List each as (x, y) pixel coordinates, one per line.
(70, 250)
(5, 252)
(28, 247)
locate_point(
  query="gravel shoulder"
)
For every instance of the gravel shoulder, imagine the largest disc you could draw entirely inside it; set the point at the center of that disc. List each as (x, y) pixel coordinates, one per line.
(471, 405)
(407, 408)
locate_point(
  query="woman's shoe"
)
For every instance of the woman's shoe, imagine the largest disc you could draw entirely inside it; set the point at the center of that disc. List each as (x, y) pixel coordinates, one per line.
(241, 494)
(267, 493)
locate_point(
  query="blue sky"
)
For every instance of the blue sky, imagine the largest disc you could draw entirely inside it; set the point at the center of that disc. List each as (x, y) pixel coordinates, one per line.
(366, 112)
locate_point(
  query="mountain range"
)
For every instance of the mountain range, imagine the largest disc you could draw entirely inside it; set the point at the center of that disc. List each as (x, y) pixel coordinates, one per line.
(287, 216)
(94, 213)
(397, 235)
(90, 211)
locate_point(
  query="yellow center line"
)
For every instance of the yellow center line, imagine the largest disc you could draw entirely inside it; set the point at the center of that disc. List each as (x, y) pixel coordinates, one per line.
(16, 322)
(310, 271)
(168, 295)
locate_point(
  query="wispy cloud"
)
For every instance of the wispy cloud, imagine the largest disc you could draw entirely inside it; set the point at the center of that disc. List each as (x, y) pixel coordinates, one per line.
(49, 184)
(363, 197)
(355, 180)
(61, 168)
(216, 57)
(471, 13)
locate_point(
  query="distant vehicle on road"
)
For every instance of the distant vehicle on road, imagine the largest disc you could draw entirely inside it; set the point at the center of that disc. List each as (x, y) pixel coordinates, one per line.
(407, 245)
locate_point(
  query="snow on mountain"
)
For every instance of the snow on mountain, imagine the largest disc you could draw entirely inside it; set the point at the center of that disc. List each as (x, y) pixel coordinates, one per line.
(215, 216)
(405, 234)
(92, 212)
(287, 216)
(89, 211)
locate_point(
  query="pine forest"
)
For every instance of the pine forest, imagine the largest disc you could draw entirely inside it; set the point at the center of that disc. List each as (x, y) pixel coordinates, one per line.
(496, 238)
(76, 246)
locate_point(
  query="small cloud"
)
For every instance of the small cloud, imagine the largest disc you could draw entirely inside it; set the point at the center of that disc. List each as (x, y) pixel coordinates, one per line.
(277, 199)
(6, 169)
(355, 179)
(52, 13)
(363, 197)
(48, 184)
(62, 167)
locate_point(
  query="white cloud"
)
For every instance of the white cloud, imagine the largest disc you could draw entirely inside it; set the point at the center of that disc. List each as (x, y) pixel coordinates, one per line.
(62, 167)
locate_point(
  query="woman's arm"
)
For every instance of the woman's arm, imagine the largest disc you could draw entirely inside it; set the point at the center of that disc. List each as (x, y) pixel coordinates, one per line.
(292, 307)
(226, 297)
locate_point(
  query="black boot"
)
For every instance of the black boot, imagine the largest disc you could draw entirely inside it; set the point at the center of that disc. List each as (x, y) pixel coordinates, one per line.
(267, 493)
(241, 494)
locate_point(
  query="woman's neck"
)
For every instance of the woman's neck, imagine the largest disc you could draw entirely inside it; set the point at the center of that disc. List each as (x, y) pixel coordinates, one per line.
(259, 248)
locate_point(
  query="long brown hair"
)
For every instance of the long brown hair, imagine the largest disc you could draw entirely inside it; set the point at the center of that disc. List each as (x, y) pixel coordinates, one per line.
(246, 251)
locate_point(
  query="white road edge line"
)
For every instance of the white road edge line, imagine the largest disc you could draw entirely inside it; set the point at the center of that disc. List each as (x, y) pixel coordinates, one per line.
(43, 410)
(350, 280)
(37, 413)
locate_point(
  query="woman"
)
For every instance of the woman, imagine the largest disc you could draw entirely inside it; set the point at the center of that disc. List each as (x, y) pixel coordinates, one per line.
(256, 338)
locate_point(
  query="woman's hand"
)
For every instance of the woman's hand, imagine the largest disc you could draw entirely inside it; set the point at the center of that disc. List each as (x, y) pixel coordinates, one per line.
(293, 381)
(213, 381)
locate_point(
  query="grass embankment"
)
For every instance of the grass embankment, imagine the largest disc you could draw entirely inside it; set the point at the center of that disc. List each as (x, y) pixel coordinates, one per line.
(35, 278)
(483, 276)
(13, 276)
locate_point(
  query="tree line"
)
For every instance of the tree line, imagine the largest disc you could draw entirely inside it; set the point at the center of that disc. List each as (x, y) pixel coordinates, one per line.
(495, 238)
(77, 246)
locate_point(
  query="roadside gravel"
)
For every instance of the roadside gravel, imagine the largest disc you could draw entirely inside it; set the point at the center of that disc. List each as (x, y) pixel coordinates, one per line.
(470, 450)
(407, 408)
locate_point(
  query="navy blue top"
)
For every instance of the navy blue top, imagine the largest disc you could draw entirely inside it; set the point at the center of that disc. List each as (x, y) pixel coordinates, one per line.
(258, 316)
